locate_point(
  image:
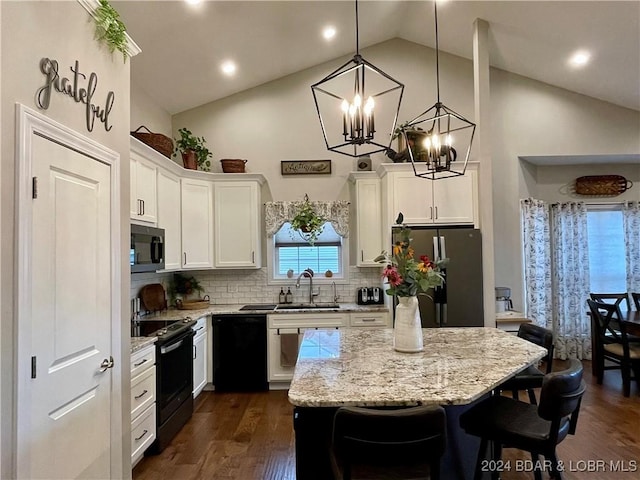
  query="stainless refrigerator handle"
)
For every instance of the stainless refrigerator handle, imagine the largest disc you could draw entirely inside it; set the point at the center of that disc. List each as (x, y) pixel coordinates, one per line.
(444, 314)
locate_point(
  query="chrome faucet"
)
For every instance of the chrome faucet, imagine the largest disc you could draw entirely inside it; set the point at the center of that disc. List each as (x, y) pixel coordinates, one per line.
(308, 273)
(336, 297)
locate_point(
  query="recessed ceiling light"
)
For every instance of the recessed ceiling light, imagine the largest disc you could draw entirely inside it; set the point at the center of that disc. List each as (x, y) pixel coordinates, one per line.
(228, 68)
(193, 2)
(580, 58)
(329, 32)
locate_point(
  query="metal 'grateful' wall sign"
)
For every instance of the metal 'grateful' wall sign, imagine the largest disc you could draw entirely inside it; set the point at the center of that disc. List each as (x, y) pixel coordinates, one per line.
(72, 87)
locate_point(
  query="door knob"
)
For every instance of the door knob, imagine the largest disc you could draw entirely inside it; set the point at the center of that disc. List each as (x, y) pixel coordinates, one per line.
(106, 364)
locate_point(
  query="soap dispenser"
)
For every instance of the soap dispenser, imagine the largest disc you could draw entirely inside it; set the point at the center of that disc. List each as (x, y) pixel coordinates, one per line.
(289, 296)
(281, 296)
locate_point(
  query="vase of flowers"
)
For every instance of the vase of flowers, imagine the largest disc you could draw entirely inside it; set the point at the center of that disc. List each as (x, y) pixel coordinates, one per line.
(407, 278)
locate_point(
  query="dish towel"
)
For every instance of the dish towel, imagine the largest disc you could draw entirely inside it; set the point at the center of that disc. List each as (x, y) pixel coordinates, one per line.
(288, 349)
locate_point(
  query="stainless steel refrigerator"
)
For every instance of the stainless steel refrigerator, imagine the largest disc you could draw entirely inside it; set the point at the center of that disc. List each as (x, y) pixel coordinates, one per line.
(459, 302)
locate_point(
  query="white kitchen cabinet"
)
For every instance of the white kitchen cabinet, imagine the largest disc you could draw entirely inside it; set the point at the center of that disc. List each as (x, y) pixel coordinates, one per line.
(237, 224)
(370, 319)
(143, 200)
(169, 218)
(366, 193)
(449, 201)
(200, 355)
(143, 401)
(296, 324)
(197, 223)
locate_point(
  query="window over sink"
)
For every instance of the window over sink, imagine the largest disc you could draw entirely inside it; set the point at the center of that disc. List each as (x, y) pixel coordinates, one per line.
(290, 254)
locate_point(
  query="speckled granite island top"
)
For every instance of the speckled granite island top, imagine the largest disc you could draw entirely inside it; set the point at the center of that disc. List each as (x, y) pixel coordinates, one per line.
(359, 367)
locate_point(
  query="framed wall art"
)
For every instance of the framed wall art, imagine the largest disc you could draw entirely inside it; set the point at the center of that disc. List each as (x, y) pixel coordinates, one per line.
(305, 167)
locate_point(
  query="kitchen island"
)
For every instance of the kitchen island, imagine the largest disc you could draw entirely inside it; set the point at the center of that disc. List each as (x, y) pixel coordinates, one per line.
(359, 367)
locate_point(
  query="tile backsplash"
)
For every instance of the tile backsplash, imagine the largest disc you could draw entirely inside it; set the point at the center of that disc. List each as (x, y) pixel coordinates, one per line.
(238, 287)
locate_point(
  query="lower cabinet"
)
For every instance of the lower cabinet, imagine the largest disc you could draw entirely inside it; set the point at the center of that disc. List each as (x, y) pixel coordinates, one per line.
(373, 319)
(200, 355)
(285, 334)
(143, 401)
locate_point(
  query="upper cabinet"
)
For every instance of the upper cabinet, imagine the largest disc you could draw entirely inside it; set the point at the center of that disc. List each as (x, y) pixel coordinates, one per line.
(237, 224)
(182, 203)
(366, 193)
(197, 223)
(170, 218)
(143, 205)
(450, 201)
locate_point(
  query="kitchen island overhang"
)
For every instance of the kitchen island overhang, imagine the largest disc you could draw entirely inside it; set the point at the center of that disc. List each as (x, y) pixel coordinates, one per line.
(355, 367)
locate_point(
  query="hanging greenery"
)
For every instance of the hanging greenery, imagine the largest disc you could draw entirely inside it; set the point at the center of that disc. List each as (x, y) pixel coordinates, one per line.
(110, 29)
(307, 222)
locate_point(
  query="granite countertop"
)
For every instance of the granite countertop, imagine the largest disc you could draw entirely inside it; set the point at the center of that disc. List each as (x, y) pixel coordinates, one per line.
(138, 343)
(359, 367)
(174, 314)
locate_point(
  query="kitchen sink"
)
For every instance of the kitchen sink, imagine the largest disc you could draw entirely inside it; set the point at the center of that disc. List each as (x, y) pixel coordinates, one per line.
(268, 307)
(308, 306)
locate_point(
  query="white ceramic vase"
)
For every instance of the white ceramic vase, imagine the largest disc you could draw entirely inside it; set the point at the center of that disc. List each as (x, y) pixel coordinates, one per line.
(407, 331)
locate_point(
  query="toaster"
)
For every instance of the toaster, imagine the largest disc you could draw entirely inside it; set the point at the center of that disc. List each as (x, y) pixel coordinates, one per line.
(370, 296)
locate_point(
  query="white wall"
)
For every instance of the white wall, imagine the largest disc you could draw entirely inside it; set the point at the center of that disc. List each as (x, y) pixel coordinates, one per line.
(535, 119)
(278, 121)
(145, 111)
(62, 31)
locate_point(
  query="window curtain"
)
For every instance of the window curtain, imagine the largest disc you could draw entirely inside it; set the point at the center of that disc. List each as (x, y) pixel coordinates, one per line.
(570, 280)
(537, 256)
(631, 225)
(278, 213)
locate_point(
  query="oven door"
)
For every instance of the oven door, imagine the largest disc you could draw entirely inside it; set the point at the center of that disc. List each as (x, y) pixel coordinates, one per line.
(174, 378)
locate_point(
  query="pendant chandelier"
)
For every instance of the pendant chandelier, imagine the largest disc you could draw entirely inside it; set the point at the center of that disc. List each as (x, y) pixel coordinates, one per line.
(360, 104)
(436, 139)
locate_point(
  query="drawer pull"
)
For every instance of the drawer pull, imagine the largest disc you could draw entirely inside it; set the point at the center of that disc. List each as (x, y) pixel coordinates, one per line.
(140, 363)
(144, 392)
(143, 434)
(368, 319)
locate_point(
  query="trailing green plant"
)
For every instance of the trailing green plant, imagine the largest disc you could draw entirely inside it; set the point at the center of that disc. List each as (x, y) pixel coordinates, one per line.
(307, 222)
(110, 29)
(182, 285)
(188, 141)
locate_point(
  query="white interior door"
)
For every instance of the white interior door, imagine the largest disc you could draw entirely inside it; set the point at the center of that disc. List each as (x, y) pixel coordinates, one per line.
(64, 405)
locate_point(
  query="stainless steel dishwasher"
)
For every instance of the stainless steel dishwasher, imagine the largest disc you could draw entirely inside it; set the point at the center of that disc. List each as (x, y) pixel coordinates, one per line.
(240, 352)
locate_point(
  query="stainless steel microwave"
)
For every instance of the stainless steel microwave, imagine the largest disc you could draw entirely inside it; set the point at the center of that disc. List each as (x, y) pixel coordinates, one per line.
(147, 249)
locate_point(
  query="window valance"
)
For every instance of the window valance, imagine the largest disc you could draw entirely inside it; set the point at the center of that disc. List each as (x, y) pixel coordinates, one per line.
(336, 212)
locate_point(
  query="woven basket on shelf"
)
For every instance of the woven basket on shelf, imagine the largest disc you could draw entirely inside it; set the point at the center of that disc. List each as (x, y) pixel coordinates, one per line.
(602, 185)
(232, 165)
(157, 141)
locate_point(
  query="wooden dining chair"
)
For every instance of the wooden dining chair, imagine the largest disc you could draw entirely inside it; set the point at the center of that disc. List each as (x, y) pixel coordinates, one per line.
(636, 300)
(613, 344)
(537, 429)
(531, 377)
(613, 298)
(404, 443)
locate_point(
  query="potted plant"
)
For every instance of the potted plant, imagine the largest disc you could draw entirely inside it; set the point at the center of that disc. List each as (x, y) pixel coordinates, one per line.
(182, 286)
(194, 151)
(307, 222)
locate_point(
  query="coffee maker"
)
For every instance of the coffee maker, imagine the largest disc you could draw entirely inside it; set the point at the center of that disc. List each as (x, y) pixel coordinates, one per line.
(503, 299)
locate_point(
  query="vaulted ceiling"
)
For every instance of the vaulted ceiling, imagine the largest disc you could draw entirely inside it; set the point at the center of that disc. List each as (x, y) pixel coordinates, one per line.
(183, 45)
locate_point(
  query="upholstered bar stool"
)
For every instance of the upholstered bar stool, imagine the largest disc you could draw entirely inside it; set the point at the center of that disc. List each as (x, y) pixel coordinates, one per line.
(400, 444)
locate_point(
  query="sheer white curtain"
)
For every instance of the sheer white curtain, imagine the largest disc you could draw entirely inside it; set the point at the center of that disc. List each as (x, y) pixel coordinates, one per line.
(570, 280)
(631, 225)
(537, 259)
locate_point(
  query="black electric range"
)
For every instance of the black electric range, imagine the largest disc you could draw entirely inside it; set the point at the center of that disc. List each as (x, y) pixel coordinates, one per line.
(165, 330)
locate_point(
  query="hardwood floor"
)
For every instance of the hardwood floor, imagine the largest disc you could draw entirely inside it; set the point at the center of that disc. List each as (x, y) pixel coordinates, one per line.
(249, 436)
